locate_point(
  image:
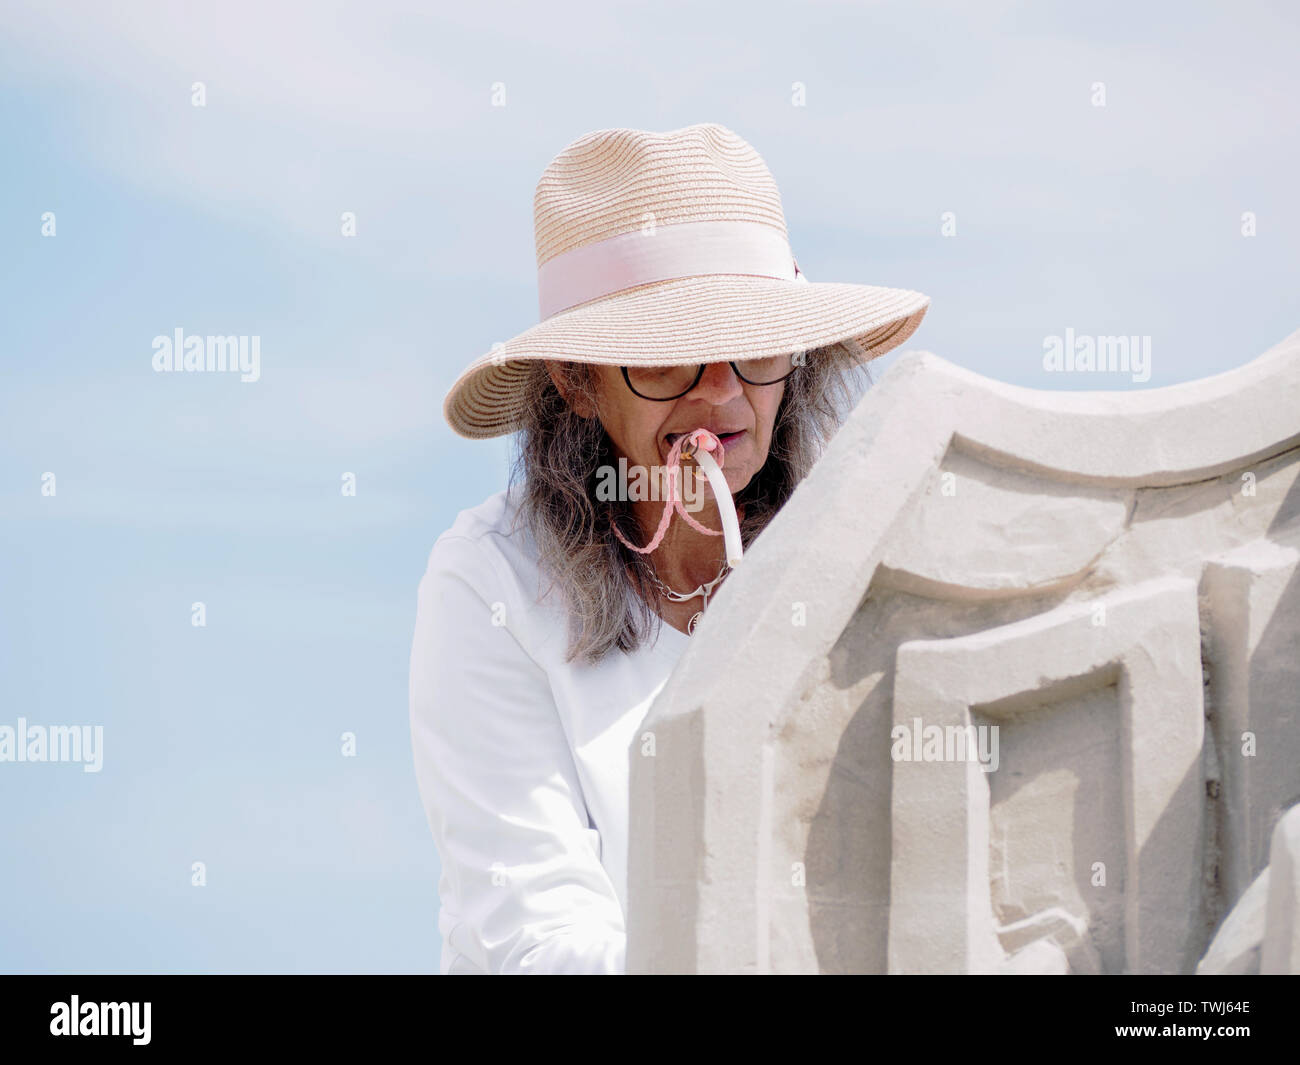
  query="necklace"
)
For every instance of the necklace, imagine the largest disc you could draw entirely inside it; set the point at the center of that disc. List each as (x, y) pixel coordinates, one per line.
(684, 597)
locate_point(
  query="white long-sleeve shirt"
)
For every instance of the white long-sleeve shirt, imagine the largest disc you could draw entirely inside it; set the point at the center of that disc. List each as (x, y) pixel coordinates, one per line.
(521, 758)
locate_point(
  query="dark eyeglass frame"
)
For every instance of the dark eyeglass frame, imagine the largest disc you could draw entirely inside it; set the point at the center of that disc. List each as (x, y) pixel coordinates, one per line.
(735, 365)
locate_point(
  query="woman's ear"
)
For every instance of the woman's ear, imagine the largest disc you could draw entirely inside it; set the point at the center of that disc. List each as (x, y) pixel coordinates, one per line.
(576, 401)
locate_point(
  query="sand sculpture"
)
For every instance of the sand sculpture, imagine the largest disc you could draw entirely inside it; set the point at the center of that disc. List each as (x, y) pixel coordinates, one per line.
(1011, 685)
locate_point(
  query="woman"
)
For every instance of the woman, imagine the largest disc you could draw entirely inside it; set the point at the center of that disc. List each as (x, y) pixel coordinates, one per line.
(551, 614)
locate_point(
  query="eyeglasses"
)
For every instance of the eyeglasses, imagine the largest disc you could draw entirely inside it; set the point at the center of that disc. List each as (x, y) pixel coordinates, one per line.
(662, 383)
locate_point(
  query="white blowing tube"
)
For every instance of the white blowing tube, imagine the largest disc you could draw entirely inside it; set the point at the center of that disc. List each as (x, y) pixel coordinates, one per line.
(726, 506)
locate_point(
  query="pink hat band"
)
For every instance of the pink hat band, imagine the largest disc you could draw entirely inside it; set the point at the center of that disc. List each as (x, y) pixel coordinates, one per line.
(663, 253)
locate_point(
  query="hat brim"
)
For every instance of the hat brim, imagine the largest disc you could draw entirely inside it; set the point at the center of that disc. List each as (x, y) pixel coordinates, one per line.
(685, 320)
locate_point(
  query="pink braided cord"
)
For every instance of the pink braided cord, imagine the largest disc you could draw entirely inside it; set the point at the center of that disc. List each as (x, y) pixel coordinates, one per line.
(701, 438)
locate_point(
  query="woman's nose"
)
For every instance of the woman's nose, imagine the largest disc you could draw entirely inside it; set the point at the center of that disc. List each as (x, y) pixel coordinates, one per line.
(719, 381)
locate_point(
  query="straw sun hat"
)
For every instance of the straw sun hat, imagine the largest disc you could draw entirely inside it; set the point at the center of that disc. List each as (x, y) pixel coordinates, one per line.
(665, 248)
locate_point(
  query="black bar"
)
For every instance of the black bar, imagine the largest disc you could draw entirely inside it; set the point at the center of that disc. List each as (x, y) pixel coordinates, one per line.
(337, 1013)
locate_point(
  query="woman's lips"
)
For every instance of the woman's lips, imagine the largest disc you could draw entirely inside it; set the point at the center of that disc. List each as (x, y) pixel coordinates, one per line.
(728, 440)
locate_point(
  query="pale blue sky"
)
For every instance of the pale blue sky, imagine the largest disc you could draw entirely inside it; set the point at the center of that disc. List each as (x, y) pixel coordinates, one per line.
(222, 743)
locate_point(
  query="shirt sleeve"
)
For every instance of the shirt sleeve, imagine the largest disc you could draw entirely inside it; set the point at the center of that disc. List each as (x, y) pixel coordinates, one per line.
(521, 873)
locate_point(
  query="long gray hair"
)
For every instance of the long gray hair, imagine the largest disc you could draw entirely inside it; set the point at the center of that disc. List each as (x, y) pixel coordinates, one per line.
(559, 453)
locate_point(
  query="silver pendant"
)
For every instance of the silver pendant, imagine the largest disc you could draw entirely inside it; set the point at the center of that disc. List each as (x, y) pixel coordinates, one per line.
(690, 625)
